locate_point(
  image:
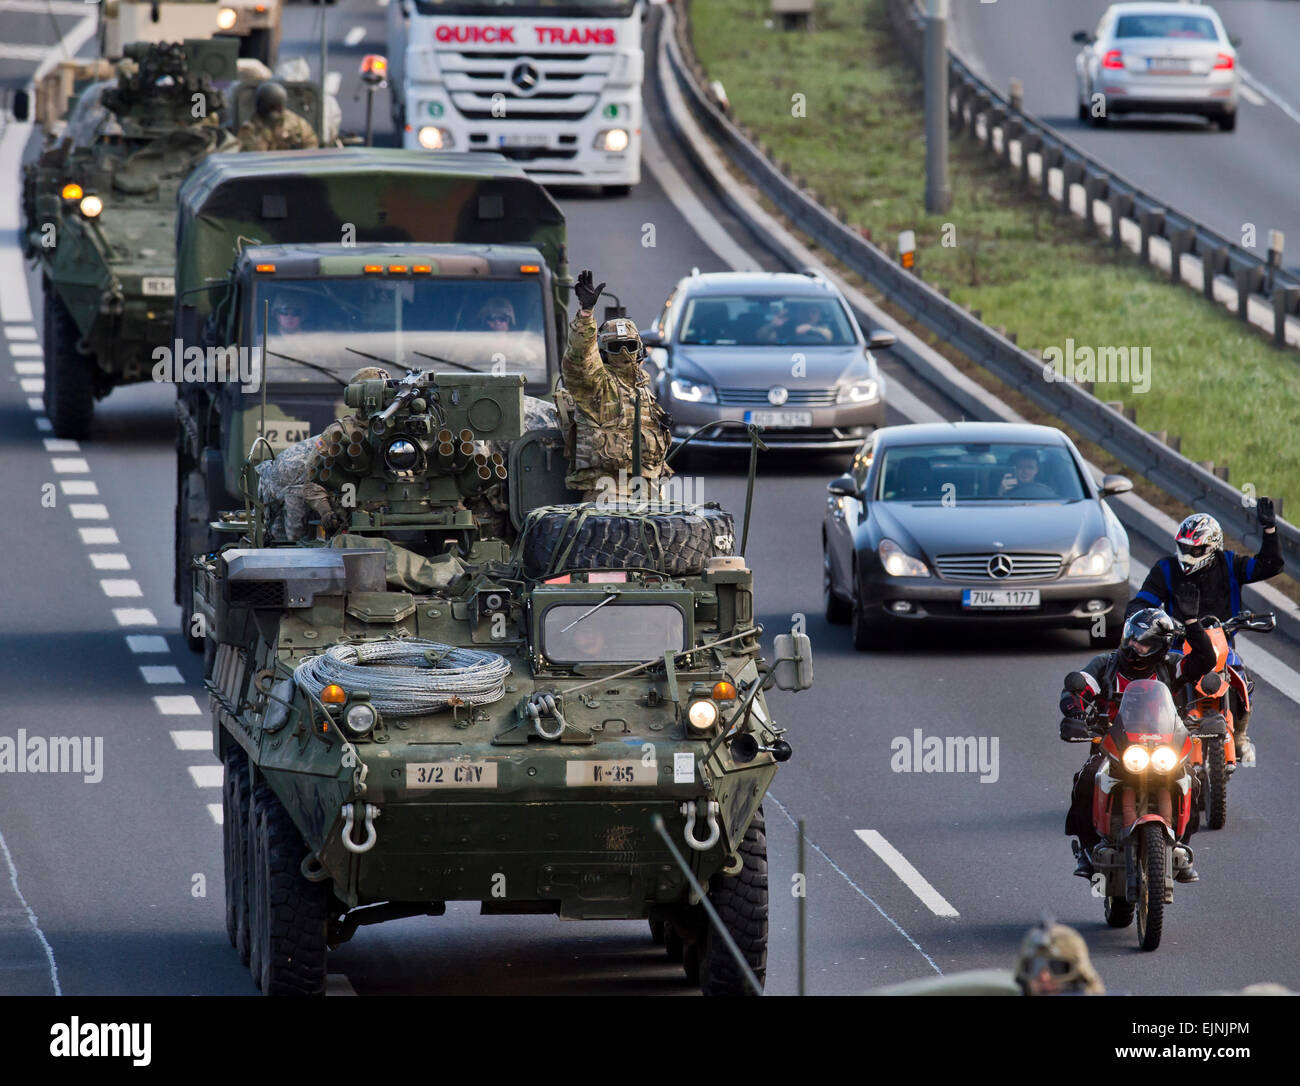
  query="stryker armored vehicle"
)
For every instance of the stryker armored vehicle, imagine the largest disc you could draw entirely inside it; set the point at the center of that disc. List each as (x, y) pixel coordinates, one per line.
(413, 714)
(253, 25)
(387, 256)
(99, 209)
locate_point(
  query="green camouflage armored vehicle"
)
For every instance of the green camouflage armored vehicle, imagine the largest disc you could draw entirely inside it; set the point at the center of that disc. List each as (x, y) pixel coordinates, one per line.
(344, 257)
(99, 209)
(252, 25)
(413, 714)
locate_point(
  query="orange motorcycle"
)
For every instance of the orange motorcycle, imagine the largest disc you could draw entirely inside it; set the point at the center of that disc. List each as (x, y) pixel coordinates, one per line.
(1211, 708)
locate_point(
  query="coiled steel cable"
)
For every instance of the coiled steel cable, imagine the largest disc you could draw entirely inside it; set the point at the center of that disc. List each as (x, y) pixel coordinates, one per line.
(408, 676)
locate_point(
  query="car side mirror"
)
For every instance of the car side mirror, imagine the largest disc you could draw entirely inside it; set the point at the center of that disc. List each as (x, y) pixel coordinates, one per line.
(844, 487)
(1115, 484)
(1082, 37)
(880, 339)
(794, 667)
(652, 339)
(1234, 41)
(22, 108)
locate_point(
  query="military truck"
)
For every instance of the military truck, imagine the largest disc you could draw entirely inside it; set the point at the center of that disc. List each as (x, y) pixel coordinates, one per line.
(414, 714)
(385, 254)
(253, 25)
(98, 209)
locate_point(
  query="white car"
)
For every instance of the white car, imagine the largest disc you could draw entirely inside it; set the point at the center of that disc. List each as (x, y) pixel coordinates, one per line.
(1158, 58)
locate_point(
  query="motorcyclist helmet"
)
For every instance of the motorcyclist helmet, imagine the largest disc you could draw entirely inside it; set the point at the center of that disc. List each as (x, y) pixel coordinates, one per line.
(1199, 539)
(1148, 636)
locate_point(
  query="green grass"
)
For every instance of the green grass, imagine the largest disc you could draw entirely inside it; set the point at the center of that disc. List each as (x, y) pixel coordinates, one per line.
(1231, 397)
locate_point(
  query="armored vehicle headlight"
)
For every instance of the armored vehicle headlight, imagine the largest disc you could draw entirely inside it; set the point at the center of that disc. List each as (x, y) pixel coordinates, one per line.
(1136, 759)
(401, 455)
(91, 206)
(72, 191)
(702, 714)
(226, 18)
(360, 718)
(333, 695)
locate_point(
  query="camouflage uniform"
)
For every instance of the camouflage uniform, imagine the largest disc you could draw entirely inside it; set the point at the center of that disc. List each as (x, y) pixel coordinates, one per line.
(287, 488)
(604, 401)
(289, 133)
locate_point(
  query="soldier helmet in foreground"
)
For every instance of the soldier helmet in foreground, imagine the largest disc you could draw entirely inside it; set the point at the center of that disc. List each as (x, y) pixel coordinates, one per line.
(1054, 960)
(270, 98)
(619, 341)
(371, 373)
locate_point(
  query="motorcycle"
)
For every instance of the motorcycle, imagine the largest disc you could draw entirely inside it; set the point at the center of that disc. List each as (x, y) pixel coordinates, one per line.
(1141, 804)
(1210, 717)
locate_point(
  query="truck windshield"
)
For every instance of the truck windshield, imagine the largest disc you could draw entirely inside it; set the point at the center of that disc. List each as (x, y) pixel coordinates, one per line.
(594, 9)
(468, 324)
(613, 634)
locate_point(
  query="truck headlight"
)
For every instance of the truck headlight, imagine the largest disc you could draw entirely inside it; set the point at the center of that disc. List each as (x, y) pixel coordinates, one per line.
(692, 391)
(432, 138)
(1098, 559)
(898, 563)
(226, 18)
(702, 714)
(613, 139)
(360, 718)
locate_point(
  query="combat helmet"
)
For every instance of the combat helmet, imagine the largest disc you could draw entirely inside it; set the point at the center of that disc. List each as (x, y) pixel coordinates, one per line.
(620, 341)
(1060, 953)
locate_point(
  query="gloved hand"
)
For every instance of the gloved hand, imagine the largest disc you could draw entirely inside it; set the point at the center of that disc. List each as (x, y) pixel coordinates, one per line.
(331, 522)
(1188, 598)
(1264, 511)
(586, 292)
(1073, 728)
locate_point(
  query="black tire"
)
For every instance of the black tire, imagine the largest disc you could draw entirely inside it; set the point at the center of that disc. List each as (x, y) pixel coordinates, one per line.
(258, 798)
(741, 903)
(1153, 859)
(677, 543)
(673, 944)
(186, 499)
(868, 635)
(1216, 783)
(291, 913)
(616, 190)
(69, 374)
(234, 840)
(1119, 912)
(837, 611)
(691, 962)
(658, 931)
(1227, 122)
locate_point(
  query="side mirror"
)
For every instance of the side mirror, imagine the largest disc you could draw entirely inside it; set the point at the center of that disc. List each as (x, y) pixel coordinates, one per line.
(1212, 683)
(1082, 37)
(1234, 41)
(794, 667)
(22, 108)
(844, 487)
(880, 339)
(1115, 484)
(652, 339)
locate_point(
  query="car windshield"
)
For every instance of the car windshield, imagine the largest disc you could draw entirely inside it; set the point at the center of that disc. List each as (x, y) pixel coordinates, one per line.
(615, 633)
(1147, 708)
(484, 325)
(982, 471)
(765, 319)
(1194, 27)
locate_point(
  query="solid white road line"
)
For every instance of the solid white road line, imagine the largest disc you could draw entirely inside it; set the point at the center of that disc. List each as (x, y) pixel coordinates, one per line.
(93, 537)
(134, 616)
(146, 643)
(31, 916)
(912, 878)
(192, 740)
(177, 705)
(156, 675)
(1281, 103)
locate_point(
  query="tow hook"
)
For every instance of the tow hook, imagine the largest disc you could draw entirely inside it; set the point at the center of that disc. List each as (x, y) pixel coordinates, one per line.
(715, 831)
(544, 704)
(372, 812)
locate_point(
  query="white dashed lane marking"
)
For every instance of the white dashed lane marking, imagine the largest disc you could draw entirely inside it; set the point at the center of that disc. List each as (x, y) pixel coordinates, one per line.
(192, 740)
(163, 673)
(88, 511)
(134, 616)
(27, 350)
(177, 705)
(354, 36)
(33, 386)
(206, 776)
(912, 878)
(122, 587)
(44, 425)
(94, 537)
(146, 643)
(28, 369)
(214, 809)
(60, 444)
(20, 331)
(67, 465)
(79, 488)
(109, 561)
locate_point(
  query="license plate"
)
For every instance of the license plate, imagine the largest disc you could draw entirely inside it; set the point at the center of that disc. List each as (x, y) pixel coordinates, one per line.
(779, 419)
(538, 140)
(1168, 64)
(158, 286)
(451, 775)
(610, 773)
(1000, 598)
(281, 433)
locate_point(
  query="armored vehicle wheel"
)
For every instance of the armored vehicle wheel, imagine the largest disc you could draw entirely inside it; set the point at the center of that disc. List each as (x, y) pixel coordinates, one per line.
(678, 543)
(234, 841)
(741, 902)
(69, 374)
(1216, 783)
(191, 501)
(288, 916)
(1119, 912)
(657, 932)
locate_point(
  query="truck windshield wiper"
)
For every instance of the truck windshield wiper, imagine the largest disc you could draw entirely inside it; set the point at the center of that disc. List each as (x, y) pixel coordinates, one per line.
(310, 365)
(608, 599)
(372, 357)
(448, 361)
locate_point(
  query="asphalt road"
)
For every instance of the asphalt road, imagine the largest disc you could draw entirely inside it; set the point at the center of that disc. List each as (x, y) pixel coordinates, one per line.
(123, 877)
(1225, 180)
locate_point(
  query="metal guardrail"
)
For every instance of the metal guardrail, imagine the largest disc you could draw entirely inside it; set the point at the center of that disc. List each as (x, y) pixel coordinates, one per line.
(1142, 453)
(971, 97)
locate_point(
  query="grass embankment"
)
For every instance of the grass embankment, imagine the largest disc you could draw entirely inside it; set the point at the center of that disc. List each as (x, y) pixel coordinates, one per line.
(1231, 397)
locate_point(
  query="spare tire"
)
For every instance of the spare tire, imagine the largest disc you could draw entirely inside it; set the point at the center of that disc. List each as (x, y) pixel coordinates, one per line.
(678, 542)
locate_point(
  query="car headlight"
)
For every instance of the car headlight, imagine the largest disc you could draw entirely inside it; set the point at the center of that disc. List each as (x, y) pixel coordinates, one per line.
(360, 718)
(612, 139)
(858, 392)
(692, 391)
(432, 138)
(702, 714)
(1136, 759)
(898, 563)
(226, 18)
(1098, 560)
(1163, 759)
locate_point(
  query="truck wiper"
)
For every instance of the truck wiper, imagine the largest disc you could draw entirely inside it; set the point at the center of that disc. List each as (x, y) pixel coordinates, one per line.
(310, 365)
(448, 361)
(372, 357)
(608, 599)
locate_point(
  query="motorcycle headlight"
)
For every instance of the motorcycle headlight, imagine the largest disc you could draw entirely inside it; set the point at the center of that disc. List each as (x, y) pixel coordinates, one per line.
(360, 718)
(692, 391)
(858, 392)
(1163, 759)
(1098, 559)
(1136, 759)
(702, 714)
(898, 563)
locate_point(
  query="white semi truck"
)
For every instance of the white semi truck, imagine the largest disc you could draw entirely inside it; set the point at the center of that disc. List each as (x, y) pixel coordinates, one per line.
(554, 85)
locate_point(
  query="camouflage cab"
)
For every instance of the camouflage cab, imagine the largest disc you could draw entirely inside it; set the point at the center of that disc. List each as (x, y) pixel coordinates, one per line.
(414, 714)
(99, 206)
(344, 257)
(252, 25)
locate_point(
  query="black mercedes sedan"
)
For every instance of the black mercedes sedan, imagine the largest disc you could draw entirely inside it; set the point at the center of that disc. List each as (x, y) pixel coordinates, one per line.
(972, 522)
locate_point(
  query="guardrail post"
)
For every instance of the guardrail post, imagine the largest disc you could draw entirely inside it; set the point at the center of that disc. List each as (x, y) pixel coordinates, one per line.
(1285, 300)
(1249, 280)
(1121, 207)
(996, 118)
(1214, 261)
(1152, 222)
(1032, 143)
(1180, 241)
(1052, 158)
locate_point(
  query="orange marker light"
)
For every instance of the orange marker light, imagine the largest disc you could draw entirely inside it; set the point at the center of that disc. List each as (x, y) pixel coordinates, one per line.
(72, 191)
(529, 269)
(724, 691)
(422, 269)
(265, 267)
(396, 269)
(374, 63)
(333, 695)
(373, 269)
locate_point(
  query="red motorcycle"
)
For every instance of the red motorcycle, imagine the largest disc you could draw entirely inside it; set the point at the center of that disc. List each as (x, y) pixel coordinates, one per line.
(1141, 804)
